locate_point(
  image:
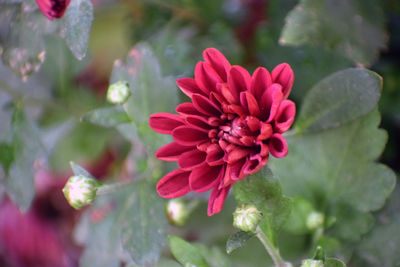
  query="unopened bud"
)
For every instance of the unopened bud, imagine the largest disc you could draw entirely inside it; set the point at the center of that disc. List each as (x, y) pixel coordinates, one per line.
(80, 191)
(312, 263)
(246, 217)
(177, 212)
(315, 220)
(118, 92)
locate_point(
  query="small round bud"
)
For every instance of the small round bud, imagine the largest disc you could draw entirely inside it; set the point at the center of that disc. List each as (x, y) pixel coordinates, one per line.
(246, 217)
(315, 220)
(177, 212)
(80, 191)
(312, 263)
(118, 92)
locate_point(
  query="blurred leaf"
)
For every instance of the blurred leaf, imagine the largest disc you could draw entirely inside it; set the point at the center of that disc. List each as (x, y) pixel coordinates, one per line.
(264, 190)
(237, 240)
(79, 170)
(142, 71)
(338, 99)
(213, 255)
(334, 169)
(297, 221)
(27, 147)
(77, 21)
(185, 253)
(354, 28)
(330, 262)
(22, 33)
(128, 223)
(6, 156)
(107, 117)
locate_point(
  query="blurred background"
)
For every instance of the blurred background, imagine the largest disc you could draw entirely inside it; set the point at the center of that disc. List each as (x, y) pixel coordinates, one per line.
(251, 33)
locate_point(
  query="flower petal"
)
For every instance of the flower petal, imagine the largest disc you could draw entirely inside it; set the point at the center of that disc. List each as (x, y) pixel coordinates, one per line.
(205, 177)
(278, 146)
(254, 165)
(191, 159)
(238, 80)
(171, 151)
(205, 106)
(186, 109)
(217, 199)
(285, 116)
(260, 81)
(283, 74)
(189, 136)
(270, 101)
(174, 184)
(218, 61)
(250, 103)
(265, 131)
(198, 121)
(165, 123)
(236, 169)
(188, 86)
(215, 155)
(236, 154)
(206, 77)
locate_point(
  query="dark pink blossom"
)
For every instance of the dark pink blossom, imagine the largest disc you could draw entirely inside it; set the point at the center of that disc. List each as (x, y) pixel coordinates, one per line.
(53, 8)
(233, 123)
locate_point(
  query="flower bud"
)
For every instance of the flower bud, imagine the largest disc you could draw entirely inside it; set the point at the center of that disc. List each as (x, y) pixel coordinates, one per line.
(118, 92)
(246, 217)
(312, 263)
(177, 212)
(315, 220)
(80, 191)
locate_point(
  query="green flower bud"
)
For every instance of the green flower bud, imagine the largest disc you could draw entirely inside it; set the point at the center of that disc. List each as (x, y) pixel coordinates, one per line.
(118, 92)
(177, 212)
(312, 263)
(246, 217)
(80, 191)
(315, 220)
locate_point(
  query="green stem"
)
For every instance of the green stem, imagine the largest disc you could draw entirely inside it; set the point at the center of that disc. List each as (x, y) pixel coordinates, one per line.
(272, 251)
(111, 188)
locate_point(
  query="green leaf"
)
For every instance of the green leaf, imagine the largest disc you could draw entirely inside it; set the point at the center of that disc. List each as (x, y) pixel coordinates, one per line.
(344, 26)
(79, 170)
(27, 147)
(22, 33)
(107, 117)
(185, 253)
(130, 222)
(77, 21)
(341, 97)
(336, 172)
(6, 156)
(331, 262)
(148, 86)
(264, 190)
(237, 240)
(297, 221)
(213, 255)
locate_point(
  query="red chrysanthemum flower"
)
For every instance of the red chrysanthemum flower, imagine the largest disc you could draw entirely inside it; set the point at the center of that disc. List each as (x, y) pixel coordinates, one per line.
(53, 8)
(228, 130)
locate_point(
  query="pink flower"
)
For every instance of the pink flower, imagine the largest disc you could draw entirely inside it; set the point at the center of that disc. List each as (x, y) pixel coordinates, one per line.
(228, 130)
(53, 8)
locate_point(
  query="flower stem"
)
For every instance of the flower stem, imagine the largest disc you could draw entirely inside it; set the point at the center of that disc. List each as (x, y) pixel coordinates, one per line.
(111, 188)
(272, 251)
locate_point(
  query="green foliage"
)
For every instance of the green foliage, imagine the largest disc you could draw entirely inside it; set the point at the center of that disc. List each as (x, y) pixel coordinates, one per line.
(76, 25)
(148, 86)
(354, 28)
(237, 240)
(333, 166)
(107, 117)
(132, 219)
(185, 253)
(264, 190)
(18, 159)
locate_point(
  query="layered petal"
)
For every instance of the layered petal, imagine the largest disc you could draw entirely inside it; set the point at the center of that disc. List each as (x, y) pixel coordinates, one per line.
(238, 80)
(189, 136)
(249, 102)
(165, 123)
(171, 151)
(285, 116)
(270, 101)
(174, 184)
(217, 199)
(191, 159)
(188, 86)
(206, 77)
(261, 80)
(218, 62)
(205, 177)
(278, 146)
(283, 74)
(205, 106)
